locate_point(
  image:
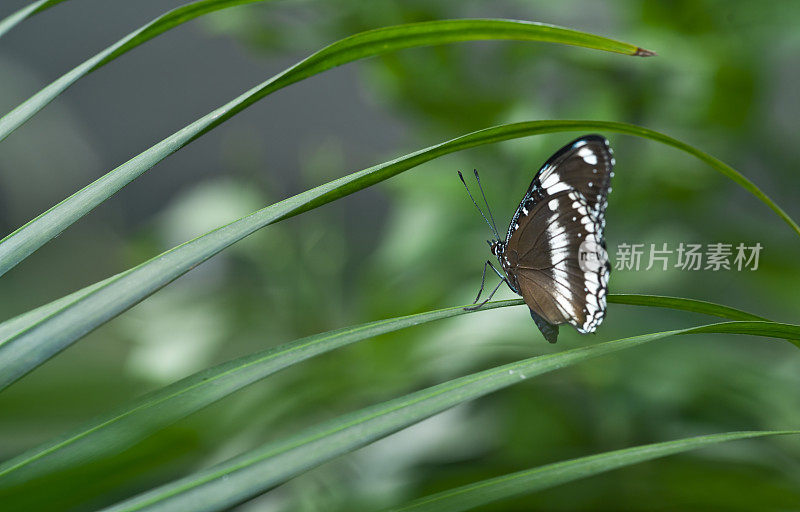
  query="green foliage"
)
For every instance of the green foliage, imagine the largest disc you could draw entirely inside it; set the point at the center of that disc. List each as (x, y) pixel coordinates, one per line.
(121, 428)
(260, 469)
(14, 19)
(145, 455)
(32, 344)
(25, 240)
(481, 493)
(173, 18)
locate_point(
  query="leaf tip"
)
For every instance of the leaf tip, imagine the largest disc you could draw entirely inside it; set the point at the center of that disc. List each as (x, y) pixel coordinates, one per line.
(641, 52)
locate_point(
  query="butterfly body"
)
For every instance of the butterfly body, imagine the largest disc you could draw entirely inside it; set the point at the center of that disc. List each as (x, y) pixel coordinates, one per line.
(553, 254)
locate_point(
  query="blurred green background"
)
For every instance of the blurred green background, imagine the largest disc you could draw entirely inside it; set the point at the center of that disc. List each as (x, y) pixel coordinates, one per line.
(726, 81)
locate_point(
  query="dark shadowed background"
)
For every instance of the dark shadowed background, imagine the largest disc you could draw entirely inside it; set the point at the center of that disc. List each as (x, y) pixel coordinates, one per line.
(726, 81)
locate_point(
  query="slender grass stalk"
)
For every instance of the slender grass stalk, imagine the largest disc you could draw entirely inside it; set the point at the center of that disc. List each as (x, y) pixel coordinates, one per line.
(250, 474)
(678, 303)
(167, 21)
(24, 13)
(18, 245)
(28, 348)
(119, 429)
(488, 491)
(20, 323)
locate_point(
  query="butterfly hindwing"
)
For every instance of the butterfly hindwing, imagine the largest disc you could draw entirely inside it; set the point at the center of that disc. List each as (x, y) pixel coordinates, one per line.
(549, 331)
(544, 253)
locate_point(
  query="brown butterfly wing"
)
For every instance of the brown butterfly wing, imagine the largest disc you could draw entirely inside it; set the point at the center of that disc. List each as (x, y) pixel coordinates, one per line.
(552, 230)
(544, 254)
(585, 166)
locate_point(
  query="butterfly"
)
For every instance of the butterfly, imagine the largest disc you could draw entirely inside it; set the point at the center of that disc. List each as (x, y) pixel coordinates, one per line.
(554, 254)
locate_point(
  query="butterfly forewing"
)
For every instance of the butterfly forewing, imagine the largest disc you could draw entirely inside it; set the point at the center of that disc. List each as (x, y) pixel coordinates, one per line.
(584, 165)
(554, 250)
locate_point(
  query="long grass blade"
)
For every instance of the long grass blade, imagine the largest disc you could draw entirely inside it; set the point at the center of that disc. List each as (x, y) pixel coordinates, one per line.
(117, 430)
(171, 19)
(22, 242)
(717, 164)
(680, 304)
(248, 475)
(17, 17)
(125, 426)
(15, 325)
(520, 483)
(29, 348)
(677, 303)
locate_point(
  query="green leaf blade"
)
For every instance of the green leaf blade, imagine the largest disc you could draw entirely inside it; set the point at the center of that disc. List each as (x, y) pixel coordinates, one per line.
(682, 304)
(22, 113)
(520, 483)
(17, 17)
(28, 238)
(119, 429)
(257, 471)
(30, 348)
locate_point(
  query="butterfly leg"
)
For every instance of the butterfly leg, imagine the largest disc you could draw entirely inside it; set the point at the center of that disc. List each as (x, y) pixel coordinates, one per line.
(483, 282)
(503, 279)
(501, 276)
(478, 306)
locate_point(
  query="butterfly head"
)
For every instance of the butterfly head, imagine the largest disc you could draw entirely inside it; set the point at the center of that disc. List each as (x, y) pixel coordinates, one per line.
(496, 247)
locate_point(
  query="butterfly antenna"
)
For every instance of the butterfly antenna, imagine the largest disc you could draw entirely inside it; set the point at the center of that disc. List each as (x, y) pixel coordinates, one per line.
(491, 227)
(494, 224)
